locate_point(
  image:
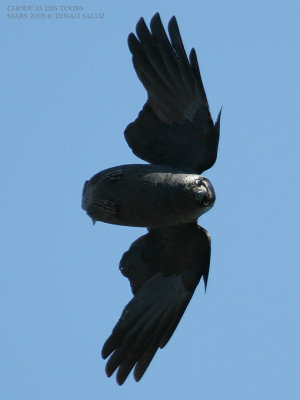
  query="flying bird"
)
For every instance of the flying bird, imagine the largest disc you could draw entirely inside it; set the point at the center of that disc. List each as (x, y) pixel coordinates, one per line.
(175, 133)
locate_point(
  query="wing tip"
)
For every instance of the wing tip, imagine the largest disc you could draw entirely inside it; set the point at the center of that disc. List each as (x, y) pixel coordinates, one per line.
(218, 120)
(156, 23)
(173, 26)
(107, 348)
(194, 64)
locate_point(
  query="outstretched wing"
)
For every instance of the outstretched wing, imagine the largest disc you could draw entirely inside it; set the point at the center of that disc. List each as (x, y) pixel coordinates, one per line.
(164, 268)
(175, 127)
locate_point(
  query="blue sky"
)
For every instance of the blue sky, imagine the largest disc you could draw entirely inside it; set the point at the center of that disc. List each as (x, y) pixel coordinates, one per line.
(68, 90)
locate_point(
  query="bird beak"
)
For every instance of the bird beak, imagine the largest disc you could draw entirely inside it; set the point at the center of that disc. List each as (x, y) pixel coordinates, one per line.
(94, 221)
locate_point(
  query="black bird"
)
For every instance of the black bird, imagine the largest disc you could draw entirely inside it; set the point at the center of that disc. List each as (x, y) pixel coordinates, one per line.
(175, 133)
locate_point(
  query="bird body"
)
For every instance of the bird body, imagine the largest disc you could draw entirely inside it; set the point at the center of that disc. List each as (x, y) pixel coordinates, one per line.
(147, 195)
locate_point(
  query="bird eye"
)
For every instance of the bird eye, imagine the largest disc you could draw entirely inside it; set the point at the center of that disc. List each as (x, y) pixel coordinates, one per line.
(206, 203)
(198, 181)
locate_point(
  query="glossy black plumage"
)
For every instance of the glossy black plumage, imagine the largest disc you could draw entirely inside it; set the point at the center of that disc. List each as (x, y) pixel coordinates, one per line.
(175, 127)
(175, 133)
(164, 267)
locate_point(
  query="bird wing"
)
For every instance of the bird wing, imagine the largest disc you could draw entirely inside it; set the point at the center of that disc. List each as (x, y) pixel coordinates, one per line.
(174, 127)
(164, 268)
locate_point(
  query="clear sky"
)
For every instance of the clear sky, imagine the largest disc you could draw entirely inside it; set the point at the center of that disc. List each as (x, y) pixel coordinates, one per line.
(68, 90)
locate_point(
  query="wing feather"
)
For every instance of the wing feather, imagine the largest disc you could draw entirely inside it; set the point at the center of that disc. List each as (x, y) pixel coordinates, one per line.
(164, 268)
(175, 127)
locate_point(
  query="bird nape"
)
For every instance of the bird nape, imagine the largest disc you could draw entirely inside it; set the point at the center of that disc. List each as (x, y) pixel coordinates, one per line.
(175, 133)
